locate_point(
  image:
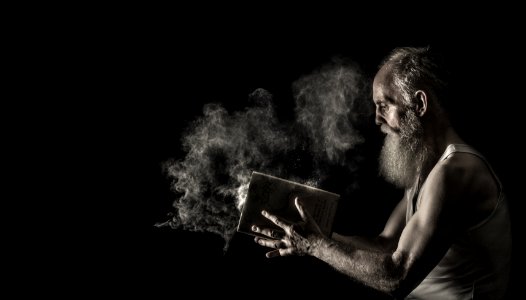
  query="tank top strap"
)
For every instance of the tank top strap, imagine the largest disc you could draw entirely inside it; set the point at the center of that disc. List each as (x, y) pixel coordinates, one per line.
(468, 149)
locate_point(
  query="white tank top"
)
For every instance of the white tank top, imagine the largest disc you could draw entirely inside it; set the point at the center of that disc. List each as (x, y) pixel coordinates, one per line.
(477, 265)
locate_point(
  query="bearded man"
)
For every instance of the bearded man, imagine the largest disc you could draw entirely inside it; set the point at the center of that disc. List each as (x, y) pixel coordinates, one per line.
(449, 237)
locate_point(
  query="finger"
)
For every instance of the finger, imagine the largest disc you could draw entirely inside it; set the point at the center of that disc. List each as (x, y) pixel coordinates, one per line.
(276, 244)
(273, 233)
(286, 251)
(280, 252)
(305, 215)
(274, 219)
(272, 253)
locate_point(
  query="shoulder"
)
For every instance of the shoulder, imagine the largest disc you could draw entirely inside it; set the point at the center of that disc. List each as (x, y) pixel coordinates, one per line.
(465, 182)
(466, 172)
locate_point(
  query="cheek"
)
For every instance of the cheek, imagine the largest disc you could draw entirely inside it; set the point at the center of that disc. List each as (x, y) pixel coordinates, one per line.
(393, 120)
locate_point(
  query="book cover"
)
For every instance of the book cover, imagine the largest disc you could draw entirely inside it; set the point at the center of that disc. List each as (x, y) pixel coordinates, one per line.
(276, 195)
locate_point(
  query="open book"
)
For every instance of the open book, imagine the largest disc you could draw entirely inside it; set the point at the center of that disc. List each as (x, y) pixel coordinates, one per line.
(276, 195)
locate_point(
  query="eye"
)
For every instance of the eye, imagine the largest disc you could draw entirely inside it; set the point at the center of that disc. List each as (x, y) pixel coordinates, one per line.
(383, 107)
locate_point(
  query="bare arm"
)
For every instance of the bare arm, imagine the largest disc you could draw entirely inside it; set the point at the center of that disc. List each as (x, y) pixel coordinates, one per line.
(372, 259)
(423, 241)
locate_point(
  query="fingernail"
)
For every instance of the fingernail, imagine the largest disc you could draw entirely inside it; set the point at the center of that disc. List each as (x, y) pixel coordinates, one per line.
(255, 228)
(256, 239)
(264, 212)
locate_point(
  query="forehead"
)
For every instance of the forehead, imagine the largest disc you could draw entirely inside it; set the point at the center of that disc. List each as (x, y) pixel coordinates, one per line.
(383, 84)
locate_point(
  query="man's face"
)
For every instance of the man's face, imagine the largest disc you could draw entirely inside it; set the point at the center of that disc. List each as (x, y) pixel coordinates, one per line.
(403, 148)
(387, 101)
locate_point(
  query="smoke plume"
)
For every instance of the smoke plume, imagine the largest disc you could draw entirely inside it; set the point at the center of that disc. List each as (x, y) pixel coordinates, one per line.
(223, 148)
(328, 104)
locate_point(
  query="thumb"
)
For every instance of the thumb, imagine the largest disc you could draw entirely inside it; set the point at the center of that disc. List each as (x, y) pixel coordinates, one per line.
(305, 215)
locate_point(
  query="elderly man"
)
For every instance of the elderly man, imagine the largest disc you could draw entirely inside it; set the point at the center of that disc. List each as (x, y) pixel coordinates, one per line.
(449, 237)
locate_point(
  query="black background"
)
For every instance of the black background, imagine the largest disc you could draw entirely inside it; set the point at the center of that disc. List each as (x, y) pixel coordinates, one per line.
(152, 76)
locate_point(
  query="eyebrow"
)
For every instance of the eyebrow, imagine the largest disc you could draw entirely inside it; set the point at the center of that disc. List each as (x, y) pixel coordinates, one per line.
(389, 99)
(386, 100)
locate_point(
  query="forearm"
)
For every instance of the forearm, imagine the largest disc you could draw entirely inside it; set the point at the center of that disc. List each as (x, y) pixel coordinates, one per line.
(378, 243)
(380, 270)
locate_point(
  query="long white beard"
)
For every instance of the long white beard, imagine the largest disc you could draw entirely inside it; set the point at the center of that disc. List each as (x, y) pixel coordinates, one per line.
(397, 164)
(403, 152)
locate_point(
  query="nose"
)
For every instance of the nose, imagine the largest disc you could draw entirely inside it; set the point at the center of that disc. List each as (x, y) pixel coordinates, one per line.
(378, 119)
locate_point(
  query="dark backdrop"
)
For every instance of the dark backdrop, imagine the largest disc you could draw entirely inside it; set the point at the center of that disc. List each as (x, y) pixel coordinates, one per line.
(160, 75)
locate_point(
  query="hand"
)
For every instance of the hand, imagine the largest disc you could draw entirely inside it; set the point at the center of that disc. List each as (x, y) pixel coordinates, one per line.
(296, 238)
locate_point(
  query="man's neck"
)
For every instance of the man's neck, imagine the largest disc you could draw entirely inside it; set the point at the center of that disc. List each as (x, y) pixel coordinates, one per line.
(438, 139)
(441, 139)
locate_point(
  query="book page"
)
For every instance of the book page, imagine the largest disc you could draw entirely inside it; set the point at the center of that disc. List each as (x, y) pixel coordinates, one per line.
(276, 195)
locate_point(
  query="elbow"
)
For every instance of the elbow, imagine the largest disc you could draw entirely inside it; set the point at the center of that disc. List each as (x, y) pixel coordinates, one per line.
(396, 282)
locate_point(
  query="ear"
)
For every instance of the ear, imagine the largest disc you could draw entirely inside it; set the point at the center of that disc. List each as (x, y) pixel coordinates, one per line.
(421, 102)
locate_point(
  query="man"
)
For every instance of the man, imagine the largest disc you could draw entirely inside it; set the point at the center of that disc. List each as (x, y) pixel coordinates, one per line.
(449, 237)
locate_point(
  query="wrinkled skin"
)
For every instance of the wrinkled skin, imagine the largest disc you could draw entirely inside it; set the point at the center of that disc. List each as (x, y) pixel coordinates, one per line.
(295, 239)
